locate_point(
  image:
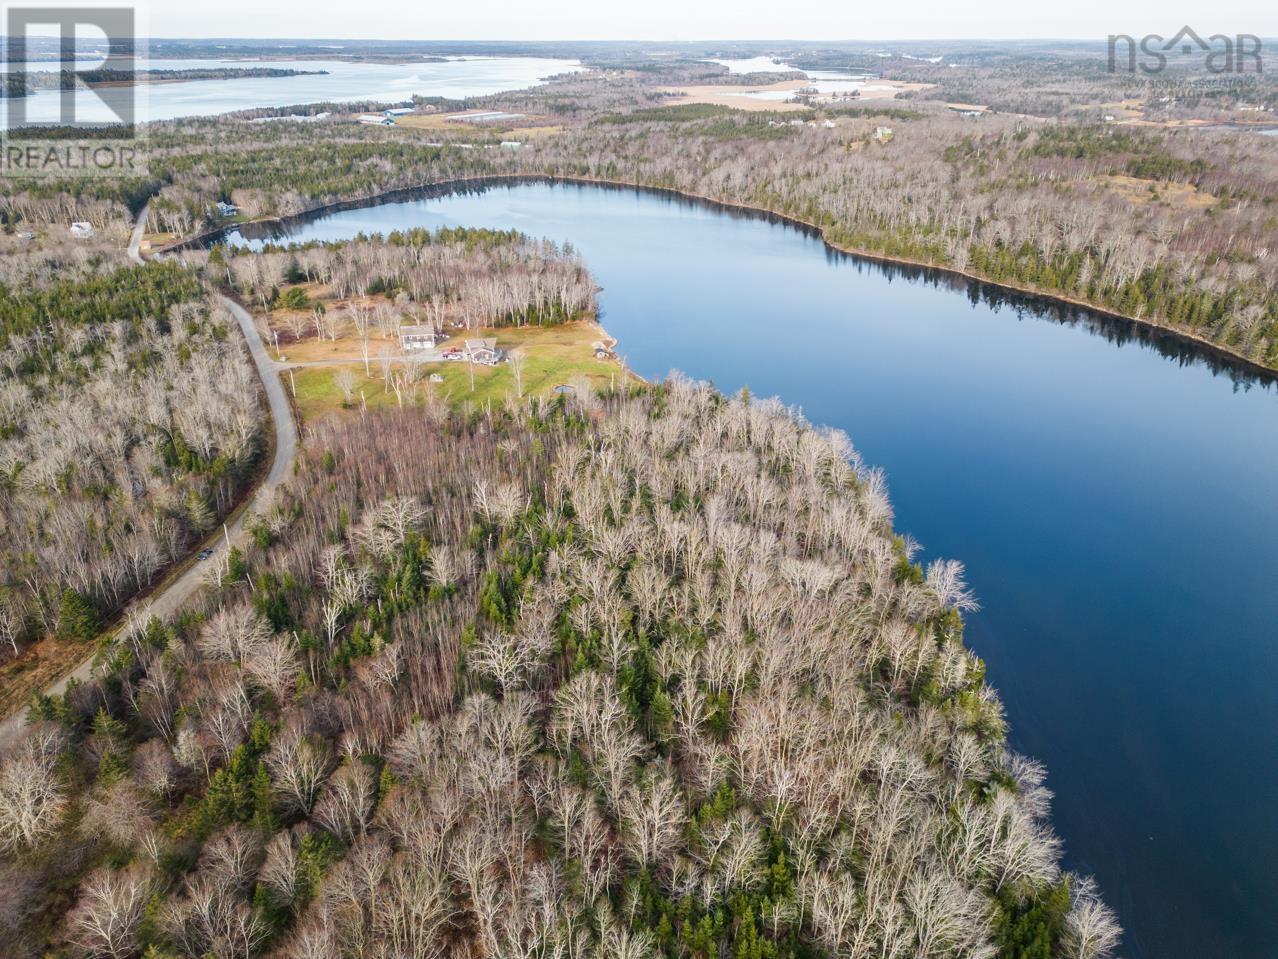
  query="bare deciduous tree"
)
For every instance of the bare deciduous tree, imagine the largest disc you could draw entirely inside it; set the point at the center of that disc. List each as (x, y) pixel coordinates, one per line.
(112, 904)
(299, 765)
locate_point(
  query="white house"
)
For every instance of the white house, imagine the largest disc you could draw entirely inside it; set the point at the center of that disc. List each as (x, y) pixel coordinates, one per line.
(483, 351)
(82, 231)
(419, 337)
(397, 112)
(227, 209)
(375, 120)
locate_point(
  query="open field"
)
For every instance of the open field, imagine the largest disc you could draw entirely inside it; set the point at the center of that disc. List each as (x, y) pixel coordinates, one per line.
(551, 356)
(744, 98)
(739, 97)
(526, 126)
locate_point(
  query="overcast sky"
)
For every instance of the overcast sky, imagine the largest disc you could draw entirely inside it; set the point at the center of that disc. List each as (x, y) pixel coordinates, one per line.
(705, 19)
(698, 19)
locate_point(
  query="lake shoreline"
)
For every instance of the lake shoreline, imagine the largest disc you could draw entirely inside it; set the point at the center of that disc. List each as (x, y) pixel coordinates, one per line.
(444, 187)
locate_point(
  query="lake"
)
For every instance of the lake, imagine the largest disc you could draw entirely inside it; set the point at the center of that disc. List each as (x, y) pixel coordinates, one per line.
(1111, 492)
(345, 81)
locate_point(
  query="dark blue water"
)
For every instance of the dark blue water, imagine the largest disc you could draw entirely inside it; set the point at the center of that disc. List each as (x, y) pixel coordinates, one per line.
(1113, 498)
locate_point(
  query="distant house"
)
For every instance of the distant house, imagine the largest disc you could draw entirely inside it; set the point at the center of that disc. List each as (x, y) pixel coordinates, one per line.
(82, 231)
(882, 134)
(419, 337)
(397, 112)
(483, 351)
(227, 209)
(828, 124)
(376, 120)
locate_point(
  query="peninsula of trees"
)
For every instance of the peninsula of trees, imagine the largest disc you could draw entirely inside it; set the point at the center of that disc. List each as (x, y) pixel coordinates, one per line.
(633, 675)
(28, 83)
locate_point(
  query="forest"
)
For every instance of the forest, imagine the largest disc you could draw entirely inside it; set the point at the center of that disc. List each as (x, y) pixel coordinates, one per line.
(631, 674)
(129, 424)
(450, 277)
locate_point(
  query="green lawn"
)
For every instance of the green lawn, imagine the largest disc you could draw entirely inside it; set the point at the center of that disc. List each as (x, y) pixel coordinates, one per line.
(552, 356)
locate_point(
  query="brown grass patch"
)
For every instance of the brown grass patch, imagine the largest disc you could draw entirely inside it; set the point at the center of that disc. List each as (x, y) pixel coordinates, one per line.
(1182, 196)
(38, 667)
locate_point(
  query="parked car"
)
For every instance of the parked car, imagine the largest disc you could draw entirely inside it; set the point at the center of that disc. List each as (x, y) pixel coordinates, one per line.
(205, 554)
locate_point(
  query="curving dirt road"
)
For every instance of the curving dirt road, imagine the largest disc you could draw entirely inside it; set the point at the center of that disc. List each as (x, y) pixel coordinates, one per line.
(170, 597)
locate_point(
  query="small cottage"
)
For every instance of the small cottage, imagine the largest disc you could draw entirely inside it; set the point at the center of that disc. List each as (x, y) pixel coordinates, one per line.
(419, 337)
(483, 351)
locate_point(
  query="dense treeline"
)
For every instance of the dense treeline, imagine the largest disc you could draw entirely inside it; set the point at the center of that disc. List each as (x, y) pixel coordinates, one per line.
(128, 423)
(450, 277)
(274, 169)
(264, 180)
(137, 293)
(633, 676)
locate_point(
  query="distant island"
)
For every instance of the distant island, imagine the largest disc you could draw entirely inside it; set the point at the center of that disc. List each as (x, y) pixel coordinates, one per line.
(21, 85)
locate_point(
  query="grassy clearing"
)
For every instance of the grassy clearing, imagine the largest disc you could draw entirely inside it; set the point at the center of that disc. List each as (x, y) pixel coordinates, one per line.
(552, 356)
(526, 127)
